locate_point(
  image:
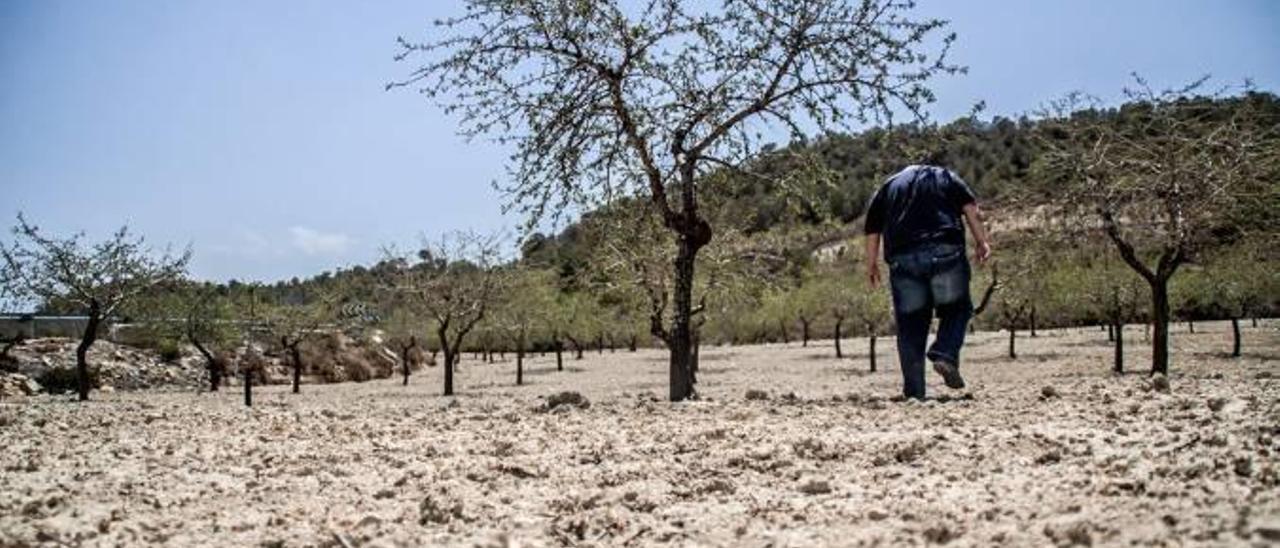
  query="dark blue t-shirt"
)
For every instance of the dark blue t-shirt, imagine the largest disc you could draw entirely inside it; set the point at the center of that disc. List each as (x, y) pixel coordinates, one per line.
(919, 205)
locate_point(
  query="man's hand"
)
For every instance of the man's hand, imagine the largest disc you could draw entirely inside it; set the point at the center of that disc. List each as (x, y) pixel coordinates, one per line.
(982, 251)
(873, 259)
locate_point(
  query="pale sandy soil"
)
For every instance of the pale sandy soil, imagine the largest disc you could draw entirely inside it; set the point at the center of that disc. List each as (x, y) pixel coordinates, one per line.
(1106, 460)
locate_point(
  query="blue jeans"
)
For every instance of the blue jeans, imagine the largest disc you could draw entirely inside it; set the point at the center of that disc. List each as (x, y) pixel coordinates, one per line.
(928, 278)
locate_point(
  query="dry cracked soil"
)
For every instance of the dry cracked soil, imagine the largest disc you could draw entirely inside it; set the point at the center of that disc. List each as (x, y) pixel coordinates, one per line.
(1048, 449)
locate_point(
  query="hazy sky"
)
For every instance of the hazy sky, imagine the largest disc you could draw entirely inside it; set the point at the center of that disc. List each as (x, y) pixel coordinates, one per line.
(260, 133)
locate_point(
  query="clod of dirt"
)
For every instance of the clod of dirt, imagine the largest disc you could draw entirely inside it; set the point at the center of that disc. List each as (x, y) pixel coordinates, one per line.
(569, 398)
(1268, 530)
(1216, 404)
(432, 510)
(1076, 534)
(940, 534)
(757, 395)
(815, 487)
(1053, 456)
(910, 453)
(1243, 467)
(1048, 392)
(1160, 383)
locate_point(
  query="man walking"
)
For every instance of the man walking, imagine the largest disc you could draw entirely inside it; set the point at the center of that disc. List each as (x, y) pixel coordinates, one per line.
(916, 213)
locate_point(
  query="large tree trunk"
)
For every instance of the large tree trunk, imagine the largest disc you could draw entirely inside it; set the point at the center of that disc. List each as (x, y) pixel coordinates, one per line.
(449, 359)
(559, 344)
(872, 351)
(404, 357)
(1235, 333)
(681, 366)
(804, 332)
(211, 363)
(631, 345)
(1254, 320)
(839, 324)
(1160, 326)
(296, 354)
(1118, 329)
(82, 351)
(248, 387)
(404, 365)
(520, 359)
(1013, 336)
(1111, 332)
(577, 348)
(1191, 326)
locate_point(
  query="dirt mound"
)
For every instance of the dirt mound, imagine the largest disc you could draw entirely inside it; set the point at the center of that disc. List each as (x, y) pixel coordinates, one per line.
(116, 366)
(339, 358)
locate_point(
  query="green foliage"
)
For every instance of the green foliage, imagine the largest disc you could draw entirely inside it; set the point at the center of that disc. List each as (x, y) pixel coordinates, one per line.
(170, 351)
(61, 380)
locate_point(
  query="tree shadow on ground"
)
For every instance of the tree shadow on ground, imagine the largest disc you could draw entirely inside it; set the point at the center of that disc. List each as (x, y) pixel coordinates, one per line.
(941, 398)
(529, 372)
(857, 371)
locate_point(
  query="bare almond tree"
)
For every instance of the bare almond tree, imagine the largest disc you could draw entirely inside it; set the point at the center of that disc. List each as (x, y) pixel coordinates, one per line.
(97, 280)
(604, 99)
(453, 281)
(1163, 178)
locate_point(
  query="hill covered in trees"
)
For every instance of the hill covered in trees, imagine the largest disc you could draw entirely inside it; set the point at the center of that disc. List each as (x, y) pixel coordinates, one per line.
(782, 264)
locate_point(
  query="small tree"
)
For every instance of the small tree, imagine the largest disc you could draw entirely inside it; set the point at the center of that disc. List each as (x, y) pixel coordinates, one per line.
(96, 279)
(1116, 295)
(292, 325)
(597, 97)
(1237, 282)
(1163, 177)
(406, 333)
(194, 313)
(871, 310)
(454, 282)
(1015, 298)
(527, 302)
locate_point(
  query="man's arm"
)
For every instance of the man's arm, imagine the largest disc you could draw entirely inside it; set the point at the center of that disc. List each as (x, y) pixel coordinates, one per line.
(981, 243)
(873, 259)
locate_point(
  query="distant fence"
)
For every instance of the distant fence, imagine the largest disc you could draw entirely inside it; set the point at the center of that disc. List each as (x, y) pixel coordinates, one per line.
(32, 326)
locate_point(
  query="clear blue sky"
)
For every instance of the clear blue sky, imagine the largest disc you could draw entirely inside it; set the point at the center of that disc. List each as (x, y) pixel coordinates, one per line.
(260, 133)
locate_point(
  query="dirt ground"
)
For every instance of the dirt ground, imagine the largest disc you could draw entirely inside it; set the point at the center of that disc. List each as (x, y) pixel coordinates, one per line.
(1048, 449)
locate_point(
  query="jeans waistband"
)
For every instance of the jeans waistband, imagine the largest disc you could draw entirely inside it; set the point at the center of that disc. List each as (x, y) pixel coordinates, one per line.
(928, 248)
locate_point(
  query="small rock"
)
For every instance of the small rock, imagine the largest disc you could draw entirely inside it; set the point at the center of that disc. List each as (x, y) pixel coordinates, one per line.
(1160, 383)
(567, 398)
(438, 512)
(757, 395)
(1053, 456)
(1243, 467)
(815, 487)
(1216, 404)
(1076, 534)
(719, 485)
(876, 515)
(940, 534)
(1268, 530)
(1048, 392)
